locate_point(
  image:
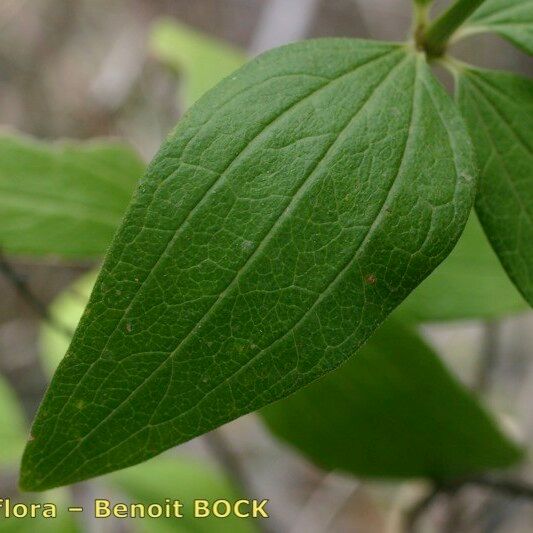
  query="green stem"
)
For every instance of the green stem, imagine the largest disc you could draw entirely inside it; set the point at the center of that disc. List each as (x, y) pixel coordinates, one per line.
(438, 34)
(420, 21)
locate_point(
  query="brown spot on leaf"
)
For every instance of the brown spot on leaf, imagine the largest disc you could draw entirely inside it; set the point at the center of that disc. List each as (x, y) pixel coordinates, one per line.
(371, 279)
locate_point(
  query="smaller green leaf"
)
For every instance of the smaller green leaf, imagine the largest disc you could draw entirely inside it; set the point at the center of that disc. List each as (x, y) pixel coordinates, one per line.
(512, 19)
(498, 107)
(63, 199)
(392, 411)
(186, 480)
(12, 427)
(457, 290)
(204, 61)
(65, 310)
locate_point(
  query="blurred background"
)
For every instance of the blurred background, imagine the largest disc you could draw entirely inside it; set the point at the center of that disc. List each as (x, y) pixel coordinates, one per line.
(81, 69)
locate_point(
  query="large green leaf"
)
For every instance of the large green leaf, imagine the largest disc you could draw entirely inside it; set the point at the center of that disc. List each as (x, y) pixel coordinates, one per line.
(186, 480)
(202, 60)
(498, 107)
(512, 19)
(12, 426)
(63, 199)
(470, 283)
(393, 410)
(291, 210)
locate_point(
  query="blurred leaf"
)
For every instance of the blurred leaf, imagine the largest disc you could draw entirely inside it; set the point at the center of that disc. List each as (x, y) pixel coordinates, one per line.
(252, 257)
(13, 430)
(512, 19)
(202, 60)
(186, 480)
(392, 411)
(65, 199)
(498, 108)
(470, 283)
(66, 310)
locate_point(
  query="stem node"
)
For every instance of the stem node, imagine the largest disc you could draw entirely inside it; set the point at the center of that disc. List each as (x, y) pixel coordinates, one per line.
(435, 40)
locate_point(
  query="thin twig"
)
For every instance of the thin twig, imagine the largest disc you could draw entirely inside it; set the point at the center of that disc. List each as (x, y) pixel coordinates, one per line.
(26, 293)
(512, 488)
(234, 469)
(421, 507)
(489, 355)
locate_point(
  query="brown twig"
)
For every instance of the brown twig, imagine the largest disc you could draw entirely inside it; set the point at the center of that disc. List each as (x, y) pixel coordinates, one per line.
(232, 465)
(489, 355)
(413, 515)
(26, 293)
(510, 488)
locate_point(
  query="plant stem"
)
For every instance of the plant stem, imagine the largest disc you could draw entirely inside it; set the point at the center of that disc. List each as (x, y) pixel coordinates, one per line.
(489, 355)
(26, 293)
(420, 21)
(438, 34)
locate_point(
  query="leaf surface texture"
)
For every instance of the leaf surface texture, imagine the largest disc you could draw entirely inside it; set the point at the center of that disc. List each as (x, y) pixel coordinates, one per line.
(287, 215)
(498, 107)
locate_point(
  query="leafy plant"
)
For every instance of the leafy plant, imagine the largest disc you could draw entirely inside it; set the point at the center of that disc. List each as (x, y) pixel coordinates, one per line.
(293, 208)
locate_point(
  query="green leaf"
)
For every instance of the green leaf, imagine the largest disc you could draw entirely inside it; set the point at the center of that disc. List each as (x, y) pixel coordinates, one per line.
(392, 411)
(50, 194)
(512, 19)
(186, 480)
(65, 310)
(204, 61)
(13, 430)
(291, 210)
(498, 107)
(470, 283)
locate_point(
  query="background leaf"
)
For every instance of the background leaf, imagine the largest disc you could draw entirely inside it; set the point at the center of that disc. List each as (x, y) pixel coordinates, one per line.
(393, 410)
(497, 107)
(512, 19)
(230, 286)
(50, 194)
(66, 310)
(469, 284)
(202, 60)
(12, 427)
